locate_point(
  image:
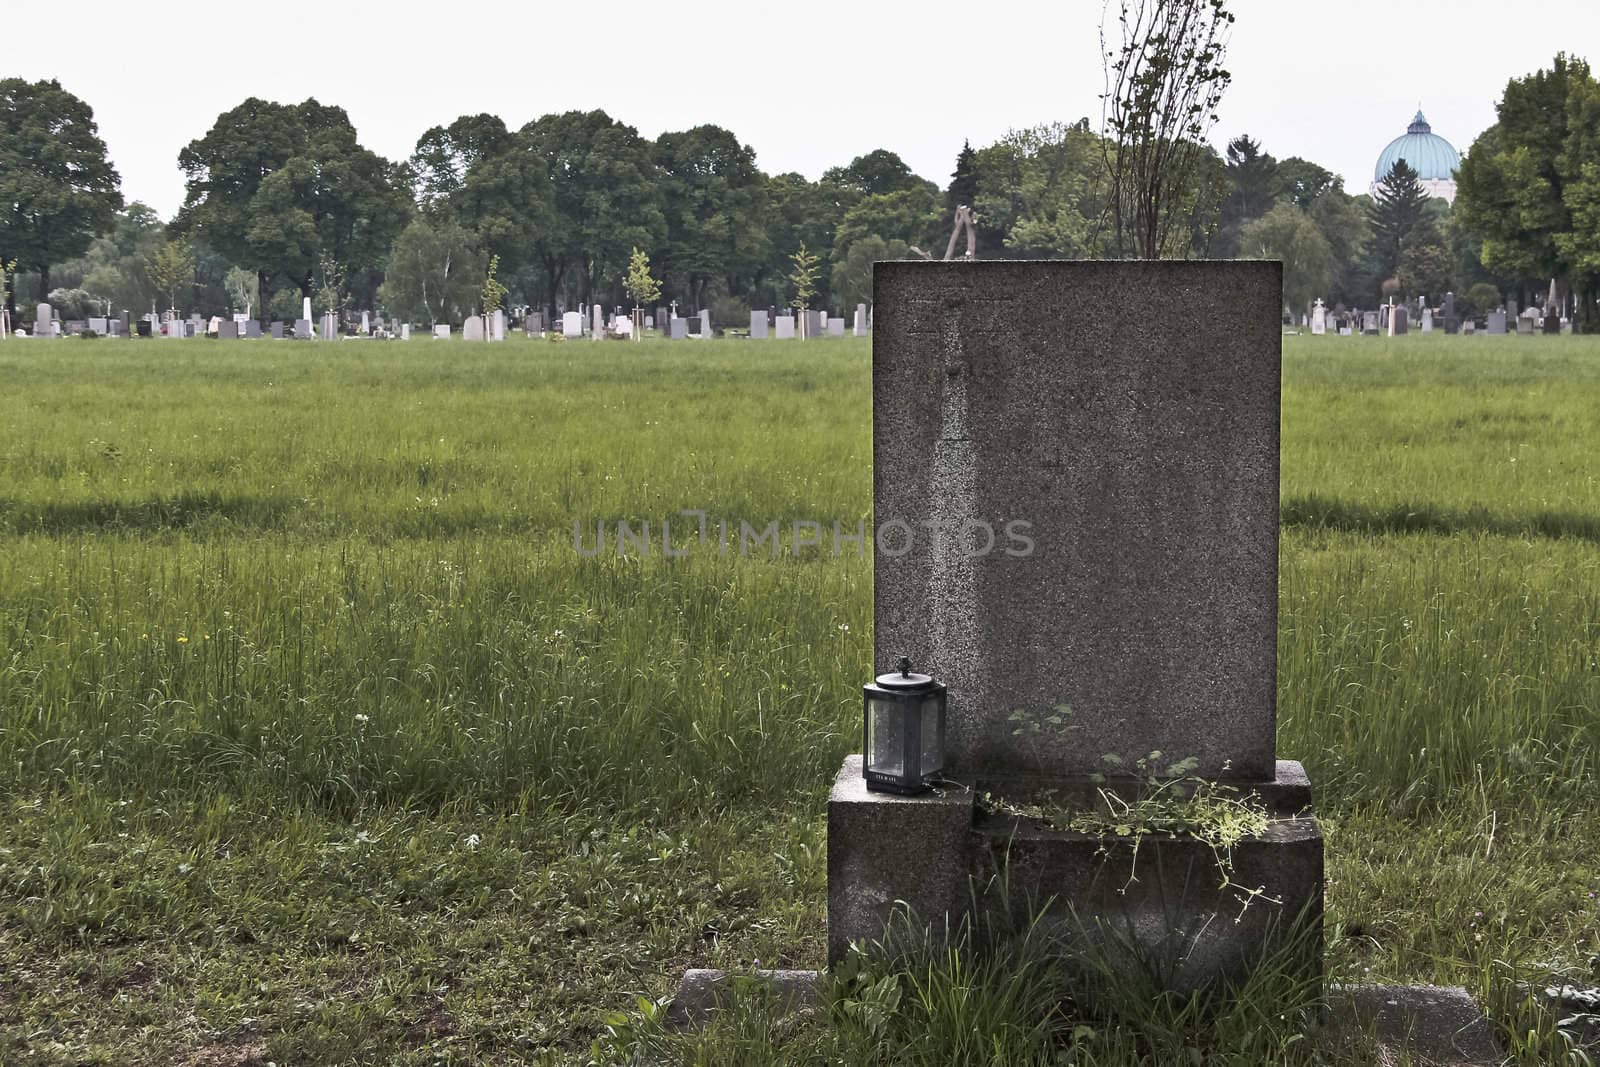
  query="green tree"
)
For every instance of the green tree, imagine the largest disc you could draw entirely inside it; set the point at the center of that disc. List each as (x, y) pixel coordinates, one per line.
(913, 216)
(115, 268)
(879, 171)
(57, 188)
(1425, 267)
(800, 212)
(1041, 192)
(1522, 188)
(1288, 233)
(1164, 81)
(852, 275)
(493, 295)
(1304, 182)
(804, 280)
(714, 200)
(171, 270)
(605, 201)
(1343, 221)
(641, 286)
(963, 181)
(1253, 187)
(1397, 208)
(277, 188)
(243, 290)
(445, 154)
(507, 201)
(433, 271)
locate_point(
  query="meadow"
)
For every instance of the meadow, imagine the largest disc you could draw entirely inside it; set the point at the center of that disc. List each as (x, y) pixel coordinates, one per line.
(321, 742)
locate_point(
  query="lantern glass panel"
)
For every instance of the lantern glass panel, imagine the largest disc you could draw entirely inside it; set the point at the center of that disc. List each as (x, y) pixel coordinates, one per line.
(932, 735)
(885, 742)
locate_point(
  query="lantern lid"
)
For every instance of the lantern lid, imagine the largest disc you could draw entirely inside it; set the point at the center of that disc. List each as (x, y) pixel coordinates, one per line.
(904, 678)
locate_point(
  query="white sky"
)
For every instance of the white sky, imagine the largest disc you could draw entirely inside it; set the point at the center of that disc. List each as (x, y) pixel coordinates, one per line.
(808, 86)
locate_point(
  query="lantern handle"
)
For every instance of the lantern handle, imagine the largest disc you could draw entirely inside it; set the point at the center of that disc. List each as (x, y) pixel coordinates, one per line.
(905, 666)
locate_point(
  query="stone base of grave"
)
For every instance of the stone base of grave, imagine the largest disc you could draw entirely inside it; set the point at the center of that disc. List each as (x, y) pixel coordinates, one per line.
(1168, 906)
(1435, 1026)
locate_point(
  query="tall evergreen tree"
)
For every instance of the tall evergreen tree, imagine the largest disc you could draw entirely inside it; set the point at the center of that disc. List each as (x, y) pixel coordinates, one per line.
(1396, 209)
(1253, 188)
(963, 180)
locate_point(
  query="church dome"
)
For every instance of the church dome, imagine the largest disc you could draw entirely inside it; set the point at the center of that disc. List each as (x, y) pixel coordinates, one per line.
(1431, 156)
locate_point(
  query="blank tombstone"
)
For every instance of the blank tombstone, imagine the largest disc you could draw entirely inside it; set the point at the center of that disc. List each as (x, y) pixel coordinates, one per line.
(441, 332)
(836, 327)
(758, 325)
(252, 330)
(276, 331)
(783, 328)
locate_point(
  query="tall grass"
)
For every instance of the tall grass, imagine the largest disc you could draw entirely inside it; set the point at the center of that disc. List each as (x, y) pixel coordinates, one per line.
(341, 574)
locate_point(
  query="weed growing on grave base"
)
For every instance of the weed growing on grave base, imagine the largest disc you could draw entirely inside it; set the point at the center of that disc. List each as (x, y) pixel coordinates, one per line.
(1159, 800)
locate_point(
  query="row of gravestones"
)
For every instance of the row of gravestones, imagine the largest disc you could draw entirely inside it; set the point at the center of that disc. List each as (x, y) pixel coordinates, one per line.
(1394, 320)
(817, 325)
(177, 329)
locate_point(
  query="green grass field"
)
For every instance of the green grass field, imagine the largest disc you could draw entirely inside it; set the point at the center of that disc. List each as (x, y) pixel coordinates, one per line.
(320, 743)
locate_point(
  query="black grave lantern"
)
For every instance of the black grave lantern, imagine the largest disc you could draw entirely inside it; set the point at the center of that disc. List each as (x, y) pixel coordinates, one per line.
(903, 728)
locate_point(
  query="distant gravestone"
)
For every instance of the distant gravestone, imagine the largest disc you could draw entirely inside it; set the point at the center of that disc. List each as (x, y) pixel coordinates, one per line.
(1369, 323)
(815, 323)
(302, 329)
(99, 327)
(597, 324)
(497, 326)
(472, 329)
(783, 327)
(1512, 309)
(405, 331)
(1524, 326)
(330, 327)
(572, 324)
(276, 331)
(252, 330)
(1497, 321)
(1427, 320)
(142, 328)
(705, 324)
(1399, 319)
(1319, 319)
(1552, 322)
(859, 327)
(663, 318)
(680, 329)
(441, 331)
(43, 320)
(836, 327)
(366, 325)
(228, 331)
(76, 327)
(758, 325)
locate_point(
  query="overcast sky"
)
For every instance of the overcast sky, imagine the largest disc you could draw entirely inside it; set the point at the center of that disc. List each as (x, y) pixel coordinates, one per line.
(808, 86)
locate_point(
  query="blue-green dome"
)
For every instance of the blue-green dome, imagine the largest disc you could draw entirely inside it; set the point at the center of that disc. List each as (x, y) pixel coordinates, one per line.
(1431, 156)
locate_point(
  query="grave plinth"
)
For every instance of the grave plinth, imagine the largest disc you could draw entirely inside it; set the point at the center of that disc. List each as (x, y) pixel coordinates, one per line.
(1075, 471)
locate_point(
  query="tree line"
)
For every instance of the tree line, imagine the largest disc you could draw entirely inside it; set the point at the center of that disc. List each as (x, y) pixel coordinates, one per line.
(283, 202)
